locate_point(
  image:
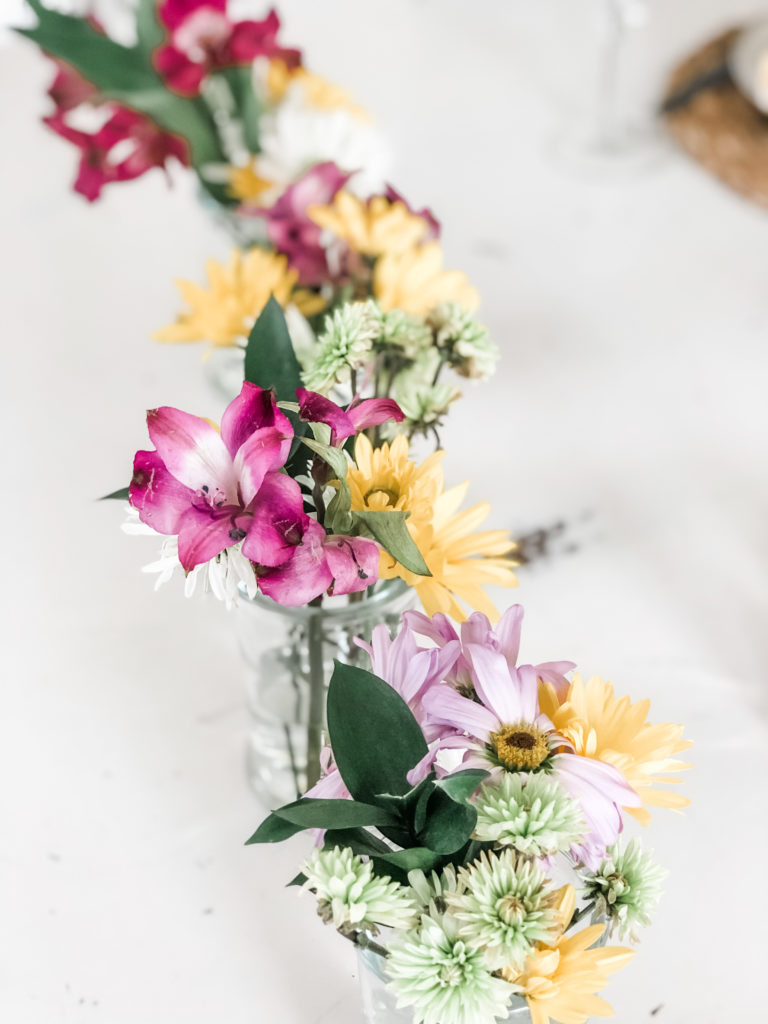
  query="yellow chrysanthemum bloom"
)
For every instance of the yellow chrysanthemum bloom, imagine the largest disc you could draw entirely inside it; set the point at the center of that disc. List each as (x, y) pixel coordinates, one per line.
(614, 730)
(560, 982)
(224, 313)
(461, 562)
(318, 91)
(372, 227)
(246, 184)
(414, 281)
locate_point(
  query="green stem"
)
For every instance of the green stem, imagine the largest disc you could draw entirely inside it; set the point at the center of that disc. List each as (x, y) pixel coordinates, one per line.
(362, 941)
(316, 720)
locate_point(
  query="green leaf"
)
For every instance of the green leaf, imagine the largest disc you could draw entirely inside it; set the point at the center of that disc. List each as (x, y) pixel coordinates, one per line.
(335, 458)
(389, 529)
(240, 81)
(417, 858)
(337, 516)
(121, 494)
(299, 879)
(375, 738)
(357, 839)
(274, 830)
(150, 33)
(461, 785)
(448, 824)
(334, 814)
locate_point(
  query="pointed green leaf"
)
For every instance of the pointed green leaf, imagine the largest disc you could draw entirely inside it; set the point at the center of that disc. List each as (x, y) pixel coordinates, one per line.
(375, 738)
(389, 529)
(149, 32)
(274, 830)
(417, 858)
(461, 785)
(335, 458)
(121, 494)
(313, 813)
(240, 81)
(448, 824)
(359, 841)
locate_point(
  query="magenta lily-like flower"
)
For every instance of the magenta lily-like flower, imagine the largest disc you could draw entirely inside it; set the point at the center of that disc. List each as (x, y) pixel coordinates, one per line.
(477, 630)
(216, 490)
(504, 730)
(147, 147)
(292, 232)
(203, 38)
(361, 413)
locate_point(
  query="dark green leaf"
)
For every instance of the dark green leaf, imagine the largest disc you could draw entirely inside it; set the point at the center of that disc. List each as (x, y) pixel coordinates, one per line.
(448, 824)
(312, 813)
(150, 33)
(389, 529)
(121, 494)
(375, 738)
(274, 830)
(461, 785)
(357, 839)
(299, 879)
(240, 81)
(417, 858)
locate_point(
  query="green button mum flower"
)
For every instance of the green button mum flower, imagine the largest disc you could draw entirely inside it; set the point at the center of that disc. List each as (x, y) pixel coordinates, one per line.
(626, 888)
(530, 812)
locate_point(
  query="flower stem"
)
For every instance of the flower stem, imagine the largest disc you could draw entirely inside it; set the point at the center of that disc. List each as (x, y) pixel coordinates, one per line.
(316, 718)
(362, 941)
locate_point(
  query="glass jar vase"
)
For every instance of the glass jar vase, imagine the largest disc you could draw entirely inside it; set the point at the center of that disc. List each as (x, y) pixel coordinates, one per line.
(289, 655)
(380, 1003)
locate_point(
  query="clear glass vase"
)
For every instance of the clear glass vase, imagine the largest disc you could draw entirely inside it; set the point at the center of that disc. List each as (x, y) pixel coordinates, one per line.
(380, 1004)
(289, 655)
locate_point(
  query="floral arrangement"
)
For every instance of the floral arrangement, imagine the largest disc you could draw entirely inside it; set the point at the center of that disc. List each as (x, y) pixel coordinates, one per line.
(225, 98)
(458, 784)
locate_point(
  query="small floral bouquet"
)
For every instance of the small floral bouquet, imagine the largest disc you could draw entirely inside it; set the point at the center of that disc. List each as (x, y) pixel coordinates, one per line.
(294, 497)
(223, 97)
(459, 785)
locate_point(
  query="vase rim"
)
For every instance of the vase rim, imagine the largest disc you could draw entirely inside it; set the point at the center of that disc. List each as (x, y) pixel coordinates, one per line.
(384, 593)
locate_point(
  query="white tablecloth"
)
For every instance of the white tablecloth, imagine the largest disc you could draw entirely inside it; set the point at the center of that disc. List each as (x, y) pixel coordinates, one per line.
(633, 319)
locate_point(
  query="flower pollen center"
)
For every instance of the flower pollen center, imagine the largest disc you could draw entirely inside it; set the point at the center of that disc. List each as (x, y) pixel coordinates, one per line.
(520, 746)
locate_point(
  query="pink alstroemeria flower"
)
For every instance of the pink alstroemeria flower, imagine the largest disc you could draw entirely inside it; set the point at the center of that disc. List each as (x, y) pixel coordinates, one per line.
(147, 147)
(359, 414)
(216, 489)
(69, 89)
(504, 719)
(504, 637)
(292, 232)
(203, 37)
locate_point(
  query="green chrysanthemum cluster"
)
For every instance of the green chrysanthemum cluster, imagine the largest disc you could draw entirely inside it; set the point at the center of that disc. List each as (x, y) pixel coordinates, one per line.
(345, 344)
(504, 905)
(626, 888)
(351, 896)
(443, 978)
(529, 812)
(406, 332)
(469, 349)
(423, 401)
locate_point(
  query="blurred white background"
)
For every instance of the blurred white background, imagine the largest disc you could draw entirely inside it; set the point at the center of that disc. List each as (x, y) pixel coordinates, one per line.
(633, 318)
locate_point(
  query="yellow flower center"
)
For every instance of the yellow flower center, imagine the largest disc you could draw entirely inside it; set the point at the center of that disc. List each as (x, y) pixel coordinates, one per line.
(520, 746)
(381, 497)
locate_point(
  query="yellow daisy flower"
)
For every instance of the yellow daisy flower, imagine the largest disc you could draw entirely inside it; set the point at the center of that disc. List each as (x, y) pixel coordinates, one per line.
(614, 730)
(461, 561)
(246, 184)
(224, 313)
(318, 91)
(371, 227)
(414, 281)
(560, 982)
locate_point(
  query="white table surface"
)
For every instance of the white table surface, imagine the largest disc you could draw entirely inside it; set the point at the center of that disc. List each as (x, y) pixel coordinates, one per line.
(633, 318)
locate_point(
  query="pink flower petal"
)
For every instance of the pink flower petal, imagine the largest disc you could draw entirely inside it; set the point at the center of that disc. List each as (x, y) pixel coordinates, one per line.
(314, 408)
(305, 576)
(445, 705)
(202, 535)
(353, 561)
(278, 521)
(158, 496)
(251, 410)
(507, 632)
(264, 451)
(373, 411)
(194, 453)
(503, 691)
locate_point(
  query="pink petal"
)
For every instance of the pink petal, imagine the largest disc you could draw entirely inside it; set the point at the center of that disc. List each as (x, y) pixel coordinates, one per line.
(305, 576)
(194, 453)
(437, 628)
(278, 521)
(314, 408)
(353, 561)
(445, 705)
(504, 692)
(374, 411)
(203, 535)
(507, 632)
(554, 672)
(158, 496)
(477, 630)
(251, 410)
(264, 451)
